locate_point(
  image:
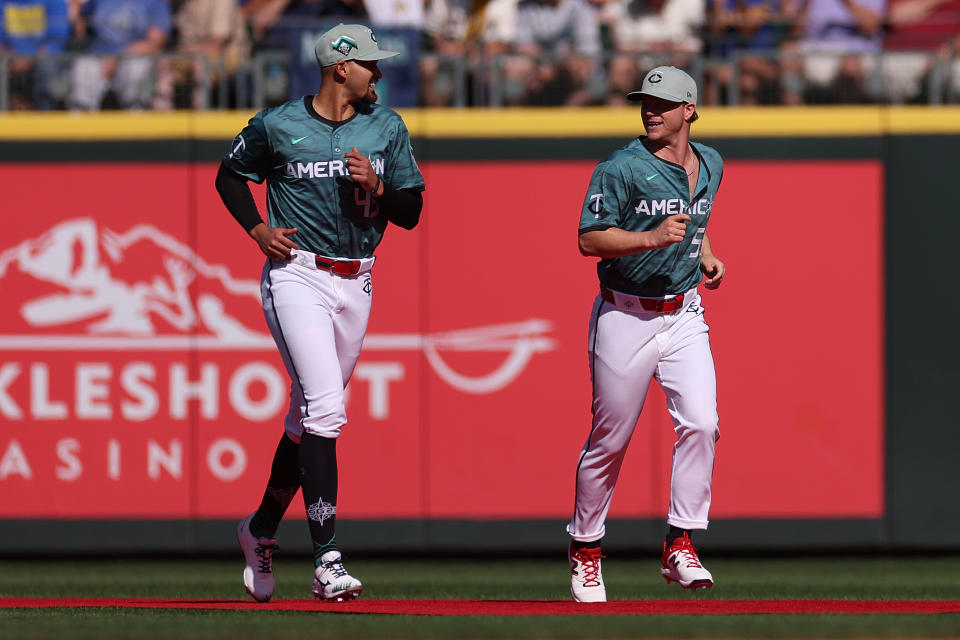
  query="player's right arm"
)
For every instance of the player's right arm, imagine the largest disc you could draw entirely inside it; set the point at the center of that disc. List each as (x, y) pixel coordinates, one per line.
(248, 159)
(614, 242)
(606, 209)
(274, 242)
(235, 193)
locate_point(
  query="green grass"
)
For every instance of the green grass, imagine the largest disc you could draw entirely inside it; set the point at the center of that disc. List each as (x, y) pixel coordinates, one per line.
(880, 578)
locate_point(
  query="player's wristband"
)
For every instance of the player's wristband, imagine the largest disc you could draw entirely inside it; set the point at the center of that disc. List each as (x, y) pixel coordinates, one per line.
(373, 191)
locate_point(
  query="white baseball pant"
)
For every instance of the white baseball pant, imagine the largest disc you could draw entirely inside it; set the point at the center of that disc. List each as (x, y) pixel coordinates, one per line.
(628, 349)
(318, 320)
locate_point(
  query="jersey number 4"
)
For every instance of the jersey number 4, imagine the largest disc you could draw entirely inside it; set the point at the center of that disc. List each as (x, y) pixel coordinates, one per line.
(363, 199)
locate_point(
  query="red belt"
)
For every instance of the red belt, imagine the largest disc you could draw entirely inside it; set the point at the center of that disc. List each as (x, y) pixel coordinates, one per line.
(649, 304)
(340, 267)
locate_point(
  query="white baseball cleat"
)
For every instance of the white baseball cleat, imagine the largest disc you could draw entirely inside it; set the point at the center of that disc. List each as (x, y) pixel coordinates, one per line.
(586, 579)
(681, 564)
(332, 583)
(258, 554)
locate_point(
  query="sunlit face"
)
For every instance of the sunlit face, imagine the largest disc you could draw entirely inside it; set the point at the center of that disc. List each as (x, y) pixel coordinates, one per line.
(362, 78)
(662, 118)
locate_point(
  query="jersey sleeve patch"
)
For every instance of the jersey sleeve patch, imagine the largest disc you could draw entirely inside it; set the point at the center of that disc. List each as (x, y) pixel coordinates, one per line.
(602, 203)
(249, 154)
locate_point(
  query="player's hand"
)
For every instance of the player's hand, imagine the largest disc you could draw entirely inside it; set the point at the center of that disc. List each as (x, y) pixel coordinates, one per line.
(274, 242)
(713, 271)
(671, 231)
(360, 169)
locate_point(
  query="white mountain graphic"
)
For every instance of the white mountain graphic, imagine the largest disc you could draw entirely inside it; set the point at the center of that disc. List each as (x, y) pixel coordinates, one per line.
(87, 263)
(106, 304)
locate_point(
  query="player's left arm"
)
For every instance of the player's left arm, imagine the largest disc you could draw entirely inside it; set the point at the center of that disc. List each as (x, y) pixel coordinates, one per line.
(711, 266)
(402, 207)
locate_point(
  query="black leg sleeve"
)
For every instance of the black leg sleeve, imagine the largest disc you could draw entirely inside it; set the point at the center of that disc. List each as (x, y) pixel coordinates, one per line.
(281, 488)
(318, 477)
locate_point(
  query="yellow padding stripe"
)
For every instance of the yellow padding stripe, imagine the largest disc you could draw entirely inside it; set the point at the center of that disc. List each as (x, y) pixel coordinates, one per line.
(591, 122)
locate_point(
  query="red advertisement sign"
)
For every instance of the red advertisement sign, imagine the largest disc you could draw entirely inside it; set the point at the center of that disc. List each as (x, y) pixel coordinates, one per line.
(137, 378)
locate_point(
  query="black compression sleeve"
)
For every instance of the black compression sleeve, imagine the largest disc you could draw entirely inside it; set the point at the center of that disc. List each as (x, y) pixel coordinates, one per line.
(401, 206)
(236, 196)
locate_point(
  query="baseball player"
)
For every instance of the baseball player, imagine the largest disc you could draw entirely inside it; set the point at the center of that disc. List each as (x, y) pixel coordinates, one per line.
(645, 216)
(338, 168)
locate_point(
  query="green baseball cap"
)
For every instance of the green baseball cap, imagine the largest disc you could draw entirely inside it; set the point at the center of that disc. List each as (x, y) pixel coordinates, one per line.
(349, 42)
(667, 83)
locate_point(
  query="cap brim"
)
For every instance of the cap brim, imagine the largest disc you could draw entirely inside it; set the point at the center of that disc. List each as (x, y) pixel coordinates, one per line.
(376, 55)
(370, 57)
(637, 96)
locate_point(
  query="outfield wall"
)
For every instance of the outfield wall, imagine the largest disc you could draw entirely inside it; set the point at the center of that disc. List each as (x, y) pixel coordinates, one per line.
(141, 397)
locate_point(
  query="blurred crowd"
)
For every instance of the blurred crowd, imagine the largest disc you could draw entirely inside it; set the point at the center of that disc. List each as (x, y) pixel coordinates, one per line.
(173, 54)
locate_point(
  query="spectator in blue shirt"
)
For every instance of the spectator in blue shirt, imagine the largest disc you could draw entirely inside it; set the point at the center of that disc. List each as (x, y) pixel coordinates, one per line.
(125, 36)
(272, 21)
(753, 30)
(29, 30)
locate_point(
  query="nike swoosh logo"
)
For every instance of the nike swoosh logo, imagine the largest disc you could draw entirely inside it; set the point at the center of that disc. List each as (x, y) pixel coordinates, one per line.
(649, 178)
(296, 140)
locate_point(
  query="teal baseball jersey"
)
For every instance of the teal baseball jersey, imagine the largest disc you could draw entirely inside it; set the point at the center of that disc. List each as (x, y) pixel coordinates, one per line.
(300, 156)
(634, 190)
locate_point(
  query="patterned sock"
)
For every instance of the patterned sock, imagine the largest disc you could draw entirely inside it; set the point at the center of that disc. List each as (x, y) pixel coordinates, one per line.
(281, 488)
(674, 533)
(318, 478)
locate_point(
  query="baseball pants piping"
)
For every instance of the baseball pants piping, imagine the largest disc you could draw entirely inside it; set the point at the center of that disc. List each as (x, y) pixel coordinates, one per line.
(628, 349)
(318, 321)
